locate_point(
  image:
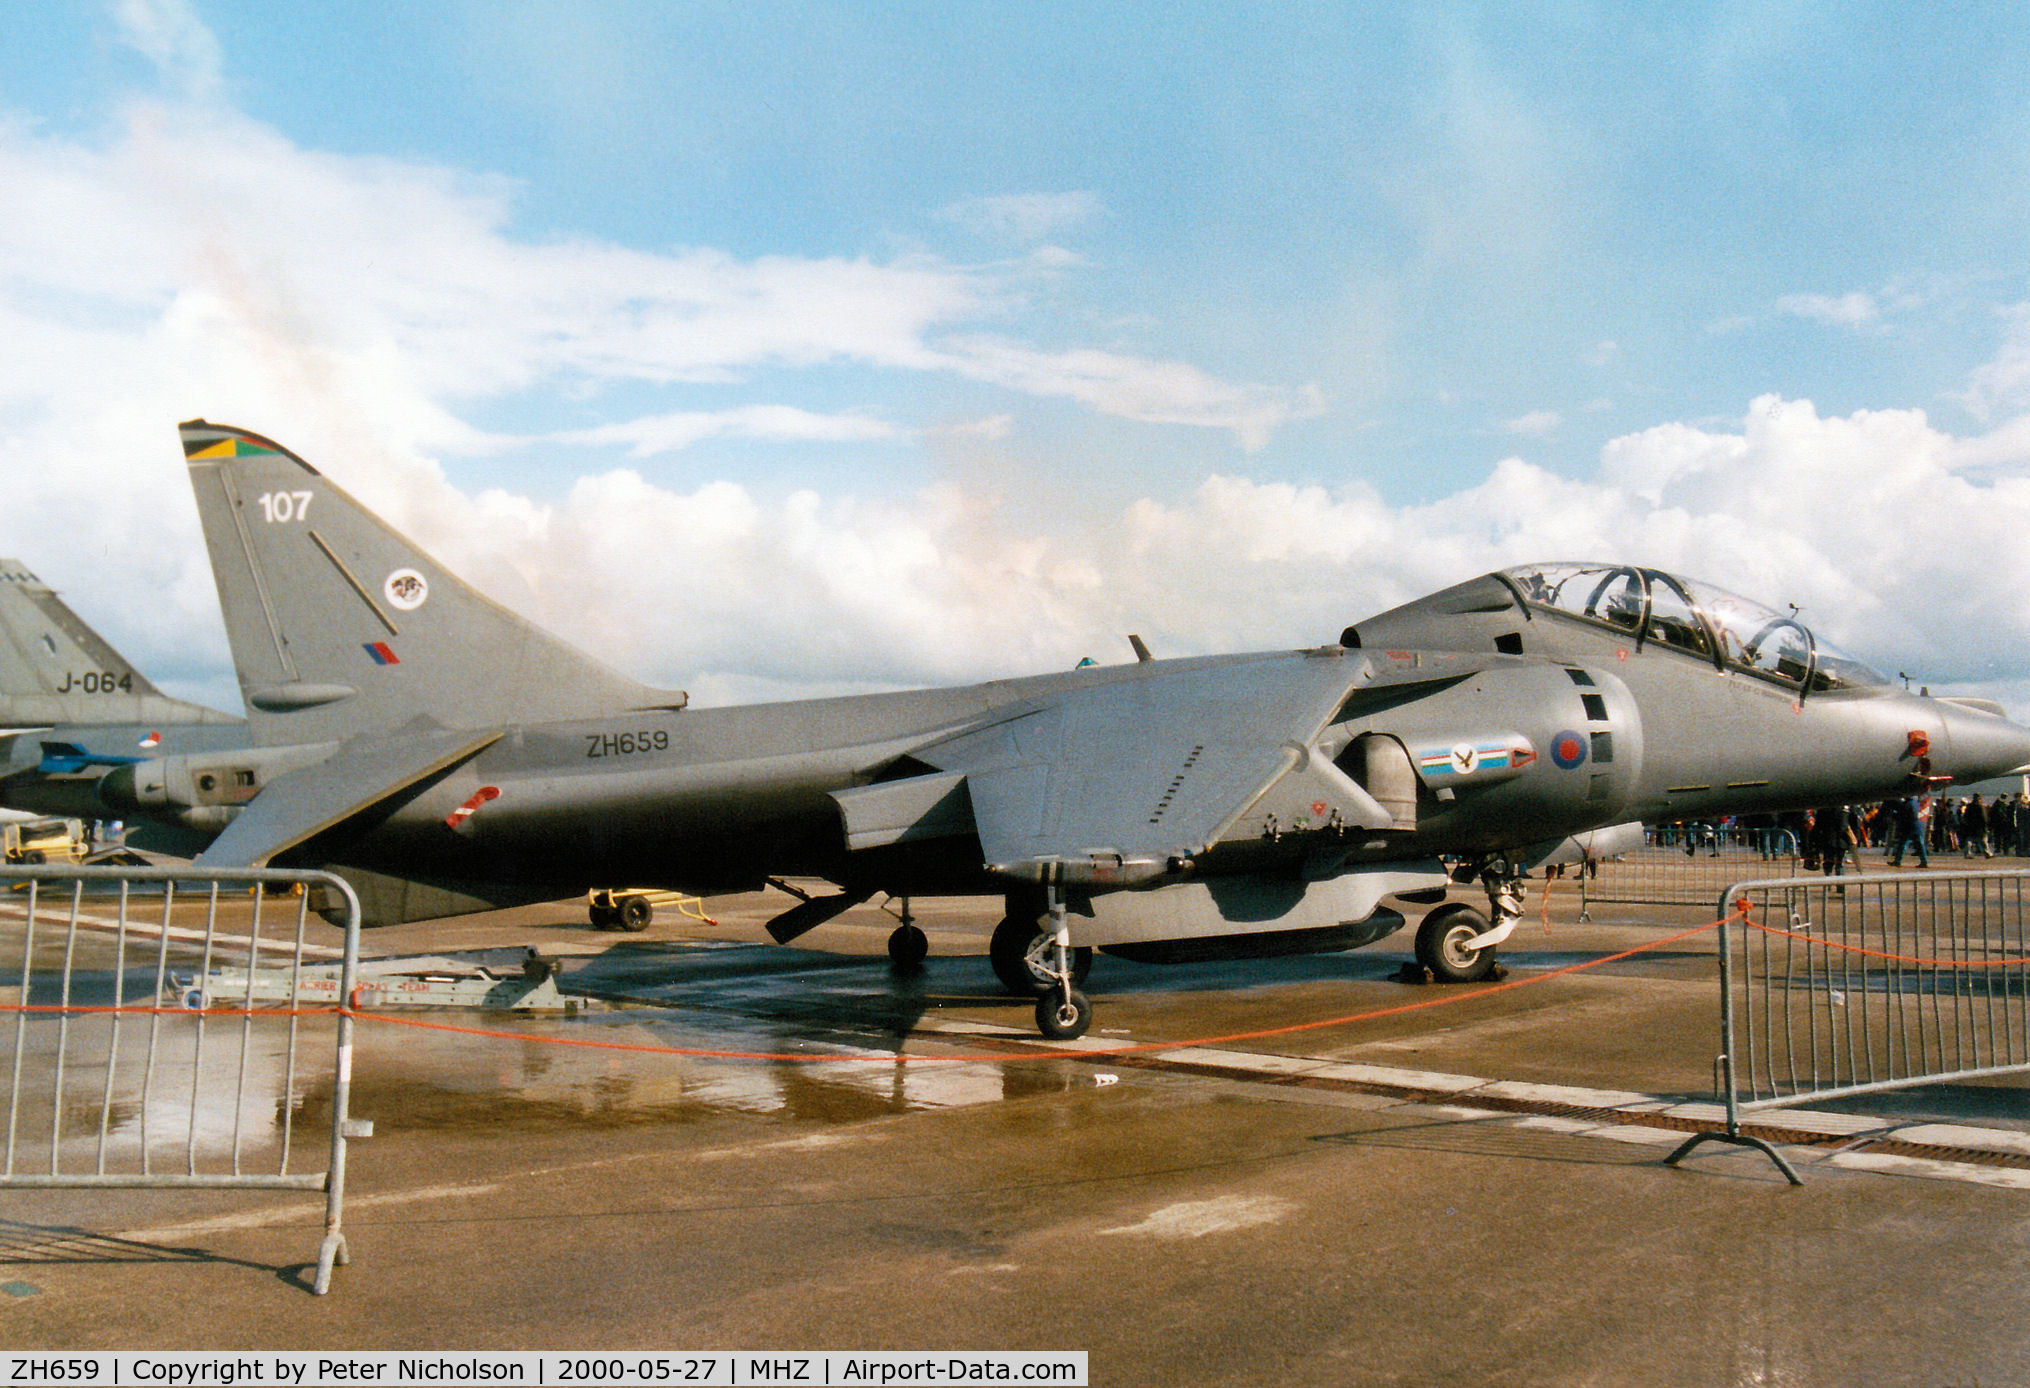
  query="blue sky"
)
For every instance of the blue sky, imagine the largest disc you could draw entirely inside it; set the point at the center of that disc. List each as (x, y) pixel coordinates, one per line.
(777, 349)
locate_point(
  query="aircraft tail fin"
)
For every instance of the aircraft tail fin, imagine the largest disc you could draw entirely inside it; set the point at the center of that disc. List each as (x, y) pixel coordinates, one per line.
(340, 625)
(54, 669)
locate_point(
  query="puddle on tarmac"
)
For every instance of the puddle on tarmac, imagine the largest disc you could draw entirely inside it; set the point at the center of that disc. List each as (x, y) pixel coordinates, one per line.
(194, 1089)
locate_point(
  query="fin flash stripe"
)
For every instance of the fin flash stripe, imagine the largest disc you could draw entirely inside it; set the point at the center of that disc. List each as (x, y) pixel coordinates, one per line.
(200, 448)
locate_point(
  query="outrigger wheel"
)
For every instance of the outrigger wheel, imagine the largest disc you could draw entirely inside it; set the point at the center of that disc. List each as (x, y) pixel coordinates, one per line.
(1024, 956)
(908, 947)
(1441, 943)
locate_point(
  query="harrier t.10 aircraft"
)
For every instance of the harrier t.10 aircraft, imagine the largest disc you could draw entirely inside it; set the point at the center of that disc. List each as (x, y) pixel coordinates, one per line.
(71, 708)
(449, 756)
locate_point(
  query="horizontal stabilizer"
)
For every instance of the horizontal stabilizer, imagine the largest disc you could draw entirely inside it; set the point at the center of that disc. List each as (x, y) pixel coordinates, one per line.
(296, 807)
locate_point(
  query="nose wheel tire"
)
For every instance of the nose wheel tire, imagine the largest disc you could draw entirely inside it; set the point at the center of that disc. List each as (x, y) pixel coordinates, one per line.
(1063, 1015)
(908, 947)
(1441, 940)
(1024, 957)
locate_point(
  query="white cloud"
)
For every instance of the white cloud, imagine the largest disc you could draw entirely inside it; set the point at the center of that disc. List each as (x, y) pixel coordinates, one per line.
(1536, 424)
(1155, 392)
(2003, 382)
(1024, 218)
(175, 40)
(669, 433)
(1852, 310)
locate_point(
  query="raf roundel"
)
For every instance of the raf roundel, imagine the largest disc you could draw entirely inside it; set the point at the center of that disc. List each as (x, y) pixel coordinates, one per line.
(406, 589)
(1568, 749)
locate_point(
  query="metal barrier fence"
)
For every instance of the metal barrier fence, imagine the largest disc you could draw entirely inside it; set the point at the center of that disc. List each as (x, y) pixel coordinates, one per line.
(1835, 987)
(1686, 865)
(163, 1024)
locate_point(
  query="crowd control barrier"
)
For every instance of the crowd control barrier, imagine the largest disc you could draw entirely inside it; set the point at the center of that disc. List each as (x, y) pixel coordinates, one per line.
(1686, 865)
(166, 1030)
(1832, 987)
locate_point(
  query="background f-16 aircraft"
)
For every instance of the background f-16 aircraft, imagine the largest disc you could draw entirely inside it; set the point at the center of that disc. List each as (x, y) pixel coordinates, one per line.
(72, 708)
(450, 756)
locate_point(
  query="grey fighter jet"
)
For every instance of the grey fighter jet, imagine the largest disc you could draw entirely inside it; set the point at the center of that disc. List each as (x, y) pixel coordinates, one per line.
(72, 708)
(448, 756)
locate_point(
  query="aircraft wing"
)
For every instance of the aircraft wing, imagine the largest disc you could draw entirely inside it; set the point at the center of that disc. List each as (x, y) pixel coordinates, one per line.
(1108, 783)
(362, 774)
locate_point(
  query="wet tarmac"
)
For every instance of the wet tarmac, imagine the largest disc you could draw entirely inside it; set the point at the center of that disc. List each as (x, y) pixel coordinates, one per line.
(1467, 1188)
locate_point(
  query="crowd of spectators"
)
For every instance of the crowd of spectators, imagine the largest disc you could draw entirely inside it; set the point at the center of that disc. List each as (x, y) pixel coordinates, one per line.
(1828, 838)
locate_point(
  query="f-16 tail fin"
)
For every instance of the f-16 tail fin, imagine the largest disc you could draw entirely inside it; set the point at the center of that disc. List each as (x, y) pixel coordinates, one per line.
(339, 625)
(56, 670)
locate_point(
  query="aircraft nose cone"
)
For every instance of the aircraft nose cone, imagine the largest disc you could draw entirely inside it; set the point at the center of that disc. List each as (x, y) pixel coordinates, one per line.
(1983, 745)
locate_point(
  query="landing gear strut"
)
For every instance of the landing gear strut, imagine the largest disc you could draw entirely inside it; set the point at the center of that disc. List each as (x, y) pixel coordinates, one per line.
(1062, 1012)
(1024, 955)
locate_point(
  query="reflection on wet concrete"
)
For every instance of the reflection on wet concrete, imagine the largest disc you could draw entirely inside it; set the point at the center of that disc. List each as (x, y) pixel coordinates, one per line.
(215, 1091)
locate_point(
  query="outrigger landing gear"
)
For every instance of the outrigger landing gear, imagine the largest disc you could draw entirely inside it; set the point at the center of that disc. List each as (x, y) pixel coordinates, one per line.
(908, 946)
(1456, 943)
(1062, 1012)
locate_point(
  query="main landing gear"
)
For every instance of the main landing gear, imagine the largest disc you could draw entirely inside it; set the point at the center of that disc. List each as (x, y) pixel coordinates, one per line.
(1041, 963)
(1024, 954)
(1456, 942)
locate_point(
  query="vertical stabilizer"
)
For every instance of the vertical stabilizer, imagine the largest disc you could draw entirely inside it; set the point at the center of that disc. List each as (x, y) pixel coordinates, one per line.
(340, 625)
(56, 670)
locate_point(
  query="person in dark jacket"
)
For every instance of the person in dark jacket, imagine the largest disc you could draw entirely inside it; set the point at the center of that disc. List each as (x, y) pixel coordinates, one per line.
(1907, 832)
(1974, 829)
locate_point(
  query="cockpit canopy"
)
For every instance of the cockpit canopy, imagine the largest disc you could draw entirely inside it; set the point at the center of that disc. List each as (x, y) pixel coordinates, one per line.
(1651, 606)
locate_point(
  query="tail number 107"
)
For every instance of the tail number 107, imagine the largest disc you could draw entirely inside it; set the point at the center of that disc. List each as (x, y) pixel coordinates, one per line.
(285, 506)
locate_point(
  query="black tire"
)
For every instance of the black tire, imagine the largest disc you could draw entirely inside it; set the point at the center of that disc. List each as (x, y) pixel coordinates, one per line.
(1062, 1018)
(34, 857)
(603, 917)
(1438, 945)
(908, 947)
(1017, 953)
(635, 913)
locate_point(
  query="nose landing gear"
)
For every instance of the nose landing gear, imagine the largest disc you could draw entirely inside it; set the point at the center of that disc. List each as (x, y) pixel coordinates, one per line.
(1457, 943)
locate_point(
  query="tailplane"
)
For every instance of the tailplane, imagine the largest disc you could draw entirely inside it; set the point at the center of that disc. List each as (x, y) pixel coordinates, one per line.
(339, 625)
(55, 670)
